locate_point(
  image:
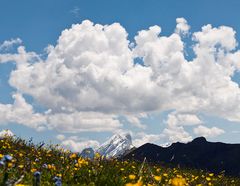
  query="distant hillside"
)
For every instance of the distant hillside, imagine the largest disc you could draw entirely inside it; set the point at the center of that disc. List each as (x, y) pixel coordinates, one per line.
(200, 154)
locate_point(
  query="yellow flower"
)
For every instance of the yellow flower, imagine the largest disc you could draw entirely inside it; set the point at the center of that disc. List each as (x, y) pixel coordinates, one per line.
(132, 176)
(20, 166)
(208, 178)
(33, 170)
(139, 183)
(73, 155)
(1, 156)
(165, 174)
(9, 165)
(157, 178)
(97, 156)
(178, 182)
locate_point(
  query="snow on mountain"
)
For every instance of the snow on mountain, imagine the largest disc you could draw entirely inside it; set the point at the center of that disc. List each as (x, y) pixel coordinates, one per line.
(117, 145)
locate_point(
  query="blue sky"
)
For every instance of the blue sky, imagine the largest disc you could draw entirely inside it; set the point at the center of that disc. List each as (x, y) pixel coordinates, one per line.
(40, 24)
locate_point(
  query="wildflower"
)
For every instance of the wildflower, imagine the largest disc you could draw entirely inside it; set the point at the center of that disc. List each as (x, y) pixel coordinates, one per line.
(157, 178)
(73, 155)
(57, 181)
(37, 174)
(208, 178)
(178, 182)
(37, 178)
(33, 170)
(2, 163)
(45, 166)
(132, 176)
(139, 183)
(20, 166)
(9, 164)
(7, 158)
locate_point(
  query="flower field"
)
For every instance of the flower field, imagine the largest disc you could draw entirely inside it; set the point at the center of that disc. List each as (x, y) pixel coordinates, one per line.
(23, 163)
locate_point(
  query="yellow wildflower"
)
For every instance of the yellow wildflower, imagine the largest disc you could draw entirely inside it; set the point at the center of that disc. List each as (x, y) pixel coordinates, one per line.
(132, 176)
(208, 178)
(20, 166)
(73, 155)
(33, 170)
(9, 165)
(157, 178)
(178, 182)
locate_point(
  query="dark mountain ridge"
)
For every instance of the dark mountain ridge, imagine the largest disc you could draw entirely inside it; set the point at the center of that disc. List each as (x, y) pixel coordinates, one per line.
(199, 153)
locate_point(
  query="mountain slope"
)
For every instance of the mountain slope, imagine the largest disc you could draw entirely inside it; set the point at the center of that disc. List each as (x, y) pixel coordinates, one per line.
(117, 145)
(199, 153)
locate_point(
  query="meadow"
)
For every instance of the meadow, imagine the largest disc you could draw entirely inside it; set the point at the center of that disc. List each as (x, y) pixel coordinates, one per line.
(25, 163)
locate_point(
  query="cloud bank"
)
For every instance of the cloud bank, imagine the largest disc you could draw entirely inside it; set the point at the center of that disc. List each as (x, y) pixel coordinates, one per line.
(90, 78)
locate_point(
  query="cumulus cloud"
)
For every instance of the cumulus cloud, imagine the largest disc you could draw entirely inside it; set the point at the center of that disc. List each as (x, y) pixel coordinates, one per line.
(60, 137)
(208, 132)
(77, 145)
(89, 77)
(182, 26)
(142, 138)
(8, 44)
(22, 113)
(135, 120)
(176, 122)
(83, 121)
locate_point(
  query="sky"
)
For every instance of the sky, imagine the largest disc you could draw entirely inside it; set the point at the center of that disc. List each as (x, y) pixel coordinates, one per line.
(75, 72)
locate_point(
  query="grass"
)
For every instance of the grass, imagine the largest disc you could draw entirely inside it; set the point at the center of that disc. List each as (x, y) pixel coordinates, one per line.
(51, 165)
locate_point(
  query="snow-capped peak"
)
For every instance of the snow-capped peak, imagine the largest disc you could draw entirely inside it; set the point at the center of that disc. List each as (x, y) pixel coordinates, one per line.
(117, 145)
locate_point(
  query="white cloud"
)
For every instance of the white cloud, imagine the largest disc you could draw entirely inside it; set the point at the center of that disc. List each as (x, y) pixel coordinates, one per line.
(208, 132)
(60, 137)
(8, 44)
(6, 133)
(135, 120)
(176, 122)
(142, 138)
(89, 78)
(22, 113)
(83, 121)
(176, 119)
(177, 134)
(182, 26)
(22, 58)
(77, 145)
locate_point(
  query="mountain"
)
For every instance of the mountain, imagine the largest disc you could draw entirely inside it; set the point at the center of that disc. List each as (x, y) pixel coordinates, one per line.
(116, 146)
(199, 153)
(87, 153)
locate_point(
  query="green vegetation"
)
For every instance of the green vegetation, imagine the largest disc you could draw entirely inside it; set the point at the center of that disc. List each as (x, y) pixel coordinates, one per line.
(23, 163)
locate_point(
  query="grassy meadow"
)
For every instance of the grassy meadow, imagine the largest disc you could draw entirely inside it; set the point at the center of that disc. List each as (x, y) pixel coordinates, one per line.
(24, 163)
